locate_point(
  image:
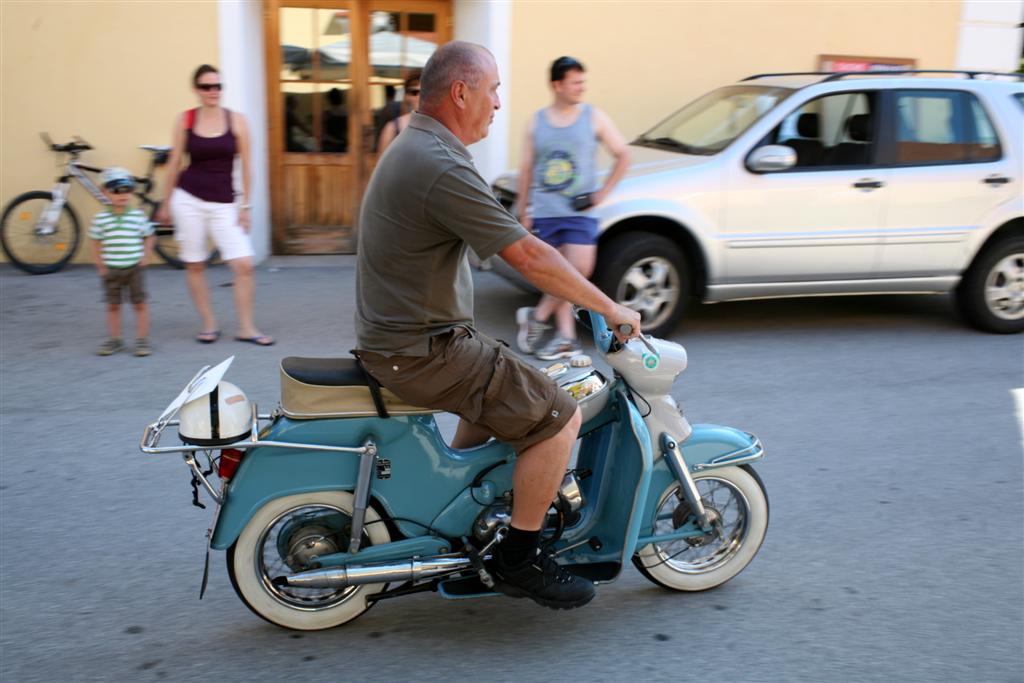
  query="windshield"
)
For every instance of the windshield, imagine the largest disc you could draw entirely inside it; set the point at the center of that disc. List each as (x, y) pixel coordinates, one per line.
(710, 124)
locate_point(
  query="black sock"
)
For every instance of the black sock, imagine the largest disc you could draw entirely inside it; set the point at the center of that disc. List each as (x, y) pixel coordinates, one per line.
(519, 546)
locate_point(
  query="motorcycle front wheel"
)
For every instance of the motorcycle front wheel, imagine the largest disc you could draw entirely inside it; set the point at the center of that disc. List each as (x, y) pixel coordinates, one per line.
(735, 497)
(280, 539)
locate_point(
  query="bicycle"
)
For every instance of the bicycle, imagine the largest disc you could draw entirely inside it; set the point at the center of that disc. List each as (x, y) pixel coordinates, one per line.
(40, 231)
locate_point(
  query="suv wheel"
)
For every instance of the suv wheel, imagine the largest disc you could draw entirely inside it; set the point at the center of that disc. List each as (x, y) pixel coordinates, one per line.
(991, 294)
(647, 273)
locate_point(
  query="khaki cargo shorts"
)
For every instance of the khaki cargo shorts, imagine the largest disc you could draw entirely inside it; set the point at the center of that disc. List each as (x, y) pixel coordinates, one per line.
(480, 380)
(118, 279)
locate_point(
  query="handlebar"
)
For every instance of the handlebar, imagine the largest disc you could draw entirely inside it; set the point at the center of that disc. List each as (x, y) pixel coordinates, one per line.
(76, 146)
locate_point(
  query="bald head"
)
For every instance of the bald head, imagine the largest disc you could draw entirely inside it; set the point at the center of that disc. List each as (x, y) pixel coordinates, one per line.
(455, 61)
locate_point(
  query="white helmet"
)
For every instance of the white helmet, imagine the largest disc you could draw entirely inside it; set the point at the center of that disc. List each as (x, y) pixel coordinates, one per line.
(220, 417)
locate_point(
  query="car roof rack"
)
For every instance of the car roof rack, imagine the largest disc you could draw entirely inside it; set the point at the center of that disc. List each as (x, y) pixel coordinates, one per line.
(837, 75)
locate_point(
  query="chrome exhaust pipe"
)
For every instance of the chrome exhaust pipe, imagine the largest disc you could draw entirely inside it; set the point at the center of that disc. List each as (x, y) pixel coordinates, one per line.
(387, 572)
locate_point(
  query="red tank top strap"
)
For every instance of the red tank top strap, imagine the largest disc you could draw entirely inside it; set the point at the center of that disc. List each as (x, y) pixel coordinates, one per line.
(190, 119)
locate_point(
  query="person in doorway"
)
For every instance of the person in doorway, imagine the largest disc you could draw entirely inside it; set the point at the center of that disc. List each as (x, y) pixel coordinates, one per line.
(420, 342)
(335, 122)
(410, 102)
(557, 185)
(122, 240)
(201, 199)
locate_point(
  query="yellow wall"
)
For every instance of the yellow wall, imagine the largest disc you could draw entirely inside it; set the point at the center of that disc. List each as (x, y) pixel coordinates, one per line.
(647, 59)
(115, 73)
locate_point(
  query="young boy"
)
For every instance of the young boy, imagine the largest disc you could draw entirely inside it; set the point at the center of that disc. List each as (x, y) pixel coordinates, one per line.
(122, 245)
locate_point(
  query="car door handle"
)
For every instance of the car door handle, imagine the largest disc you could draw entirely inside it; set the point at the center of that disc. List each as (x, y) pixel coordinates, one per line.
(996, 180)
(868, 184)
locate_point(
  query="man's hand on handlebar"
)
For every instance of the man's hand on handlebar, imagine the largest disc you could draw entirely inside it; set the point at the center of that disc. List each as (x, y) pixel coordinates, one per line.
(623, 316)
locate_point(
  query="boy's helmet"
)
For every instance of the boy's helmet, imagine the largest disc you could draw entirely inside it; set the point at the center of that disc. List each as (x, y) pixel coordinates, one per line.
(220, 417)
(117, 177)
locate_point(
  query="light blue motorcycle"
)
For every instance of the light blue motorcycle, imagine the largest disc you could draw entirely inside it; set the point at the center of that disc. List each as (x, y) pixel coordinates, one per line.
(345, 496)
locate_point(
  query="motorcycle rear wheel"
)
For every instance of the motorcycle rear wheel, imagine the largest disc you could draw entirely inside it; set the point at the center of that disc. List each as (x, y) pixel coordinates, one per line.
(255, 559)
(737, 496)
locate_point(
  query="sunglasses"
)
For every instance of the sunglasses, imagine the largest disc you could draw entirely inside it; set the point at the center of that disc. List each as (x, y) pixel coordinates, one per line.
(124, 189)
(207, 87)
(413, 91)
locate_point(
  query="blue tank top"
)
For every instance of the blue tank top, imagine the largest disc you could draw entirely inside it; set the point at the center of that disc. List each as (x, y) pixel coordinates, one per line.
(563, 167)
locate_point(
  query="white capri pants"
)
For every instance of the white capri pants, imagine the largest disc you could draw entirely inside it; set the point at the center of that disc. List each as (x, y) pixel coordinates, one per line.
(196, 219)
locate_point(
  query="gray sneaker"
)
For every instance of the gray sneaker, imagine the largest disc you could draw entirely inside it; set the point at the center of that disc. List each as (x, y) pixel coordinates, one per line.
(559, 347)
(109, 347)
(142, 347)
(530, 330)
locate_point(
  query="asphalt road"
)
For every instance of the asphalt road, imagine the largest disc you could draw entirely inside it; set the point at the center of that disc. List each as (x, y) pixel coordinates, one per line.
(895, 550)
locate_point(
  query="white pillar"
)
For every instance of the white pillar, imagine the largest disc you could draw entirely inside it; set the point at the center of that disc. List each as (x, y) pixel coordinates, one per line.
(487, 22)
(990, 35)
(240, 34)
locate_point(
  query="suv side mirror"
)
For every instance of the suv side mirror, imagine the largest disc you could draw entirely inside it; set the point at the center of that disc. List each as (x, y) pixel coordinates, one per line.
(771, 158)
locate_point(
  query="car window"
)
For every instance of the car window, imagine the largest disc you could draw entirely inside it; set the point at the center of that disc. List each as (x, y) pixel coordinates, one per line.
(943, 126)
(983, 142)
(834, 130)
(1020, 98)
(926, 128)
(710, 124)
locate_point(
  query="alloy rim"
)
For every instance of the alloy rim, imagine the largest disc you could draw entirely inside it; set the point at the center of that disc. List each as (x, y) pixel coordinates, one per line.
(651, 288)
(1004, 288)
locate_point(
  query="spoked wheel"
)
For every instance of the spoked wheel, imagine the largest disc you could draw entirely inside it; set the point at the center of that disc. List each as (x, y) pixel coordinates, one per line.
(32, 246)
(735, 500)
(281, 538)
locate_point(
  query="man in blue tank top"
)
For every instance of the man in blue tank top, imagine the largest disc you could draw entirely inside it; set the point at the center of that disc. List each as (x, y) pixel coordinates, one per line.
(557, 187)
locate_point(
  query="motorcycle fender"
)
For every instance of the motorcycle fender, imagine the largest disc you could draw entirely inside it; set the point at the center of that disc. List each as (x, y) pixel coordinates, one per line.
(269, 473)
(709, 446)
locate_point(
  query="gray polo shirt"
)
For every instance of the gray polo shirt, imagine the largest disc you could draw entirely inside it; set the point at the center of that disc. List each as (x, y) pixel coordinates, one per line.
(424, 206)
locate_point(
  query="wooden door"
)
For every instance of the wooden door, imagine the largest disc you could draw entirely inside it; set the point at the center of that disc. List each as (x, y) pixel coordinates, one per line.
(331, 65)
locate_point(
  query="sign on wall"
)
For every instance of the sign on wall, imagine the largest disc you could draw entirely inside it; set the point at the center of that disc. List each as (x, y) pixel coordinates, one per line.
(852, 63)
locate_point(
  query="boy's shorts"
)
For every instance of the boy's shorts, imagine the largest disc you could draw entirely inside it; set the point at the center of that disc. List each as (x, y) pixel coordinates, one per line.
(481, 381)
(566, 230)
(119, 279)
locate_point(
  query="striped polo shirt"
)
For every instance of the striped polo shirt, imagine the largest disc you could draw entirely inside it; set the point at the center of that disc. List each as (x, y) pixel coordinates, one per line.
(122, 235)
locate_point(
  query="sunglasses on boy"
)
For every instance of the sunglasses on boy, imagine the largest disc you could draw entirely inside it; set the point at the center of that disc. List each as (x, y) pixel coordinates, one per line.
(207, 87)
(122, 189)
(413, 91)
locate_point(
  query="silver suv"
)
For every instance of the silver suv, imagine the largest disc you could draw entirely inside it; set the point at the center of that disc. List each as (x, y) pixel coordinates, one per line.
(820, 184)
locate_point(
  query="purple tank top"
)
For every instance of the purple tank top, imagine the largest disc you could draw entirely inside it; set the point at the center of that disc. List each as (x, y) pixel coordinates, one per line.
(210, 165)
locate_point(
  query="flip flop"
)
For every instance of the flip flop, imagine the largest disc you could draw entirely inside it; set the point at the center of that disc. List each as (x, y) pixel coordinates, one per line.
(208, 337)
(259, 340)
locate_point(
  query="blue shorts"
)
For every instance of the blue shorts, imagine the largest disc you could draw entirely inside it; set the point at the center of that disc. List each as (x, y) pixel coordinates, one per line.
(566, 230)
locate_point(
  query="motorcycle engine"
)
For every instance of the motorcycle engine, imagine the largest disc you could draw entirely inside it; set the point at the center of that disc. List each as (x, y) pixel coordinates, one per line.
(568, 502)
(496, 515)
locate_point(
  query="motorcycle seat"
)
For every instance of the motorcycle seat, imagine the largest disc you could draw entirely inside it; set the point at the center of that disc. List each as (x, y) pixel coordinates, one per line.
(324, 372)
(313, 388)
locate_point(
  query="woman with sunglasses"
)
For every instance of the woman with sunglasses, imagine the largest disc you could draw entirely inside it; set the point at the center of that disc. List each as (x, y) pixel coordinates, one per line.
(202, 203)
(410, 103)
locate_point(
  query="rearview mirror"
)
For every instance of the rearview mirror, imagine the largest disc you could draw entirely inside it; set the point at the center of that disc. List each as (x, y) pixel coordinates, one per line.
(771, 159)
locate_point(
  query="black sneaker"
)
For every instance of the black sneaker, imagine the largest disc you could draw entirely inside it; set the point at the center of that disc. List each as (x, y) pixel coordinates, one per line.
(544, 581)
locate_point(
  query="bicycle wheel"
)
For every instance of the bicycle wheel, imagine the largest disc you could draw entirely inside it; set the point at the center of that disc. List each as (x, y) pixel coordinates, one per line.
(34, 248)
(166, 245)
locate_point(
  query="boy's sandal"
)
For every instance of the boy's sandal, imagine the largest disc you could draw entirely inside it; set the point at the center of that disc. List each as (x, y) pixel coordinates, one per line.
(142, 347)
(208, 337)
(258, 340)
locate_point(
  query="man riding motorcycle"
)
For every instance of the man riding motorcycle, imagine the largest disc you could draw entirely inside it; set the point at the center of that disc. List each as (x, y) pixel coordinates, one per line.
(424, 206)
